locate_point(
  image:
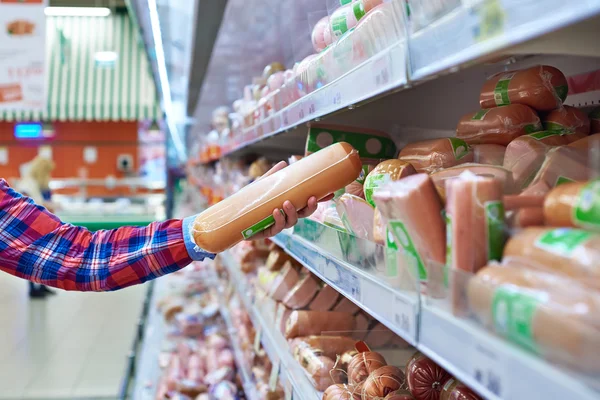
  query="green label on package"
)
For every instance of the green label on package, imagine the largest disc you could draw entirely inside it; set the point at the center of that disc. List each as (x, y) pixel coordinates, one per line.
(501, 91)
(587, 211)
(561, 92)
(562, 241)
(391, 254)
(554, 127)
(368, 146)
(359, 10)
(531, 128)
(459, 147)
(363, 174)
(479, 115)
(339, 26)
(259, 226)
(494, 219)
(563, 179)
(373, 182)
(411, 255)
(543, 134)
(512, 314)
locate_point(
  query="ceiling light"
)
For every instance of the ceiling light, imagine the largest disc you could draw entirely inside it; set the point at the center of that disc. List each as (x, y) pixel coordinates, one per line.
(77, 11)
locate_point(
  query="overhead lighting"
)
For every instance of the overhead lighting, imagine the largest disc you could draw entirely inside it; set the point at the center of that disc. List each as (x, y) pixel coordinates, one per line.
(106, 57)
(77, 11)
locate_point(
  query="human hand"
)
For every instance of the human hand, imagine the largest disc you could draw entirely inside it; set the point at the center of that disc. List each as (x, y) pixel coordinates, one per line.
(288, 216)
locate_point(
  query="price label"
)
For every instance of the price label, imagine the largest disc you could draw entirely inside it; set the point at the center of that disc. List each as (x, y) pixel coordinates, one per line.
(274, 376)
(257, 341)
(301, 114)
(405, 316)
(381, 72)
(488, 367)
(285, 117)
(311, 108)
(337, 98)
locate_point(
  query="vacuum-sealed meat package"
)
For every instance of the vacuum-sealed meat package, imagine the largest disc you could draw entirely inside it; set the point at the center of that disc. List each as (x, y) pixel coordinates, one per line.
(386, 171)
(250, 210)
(569, 121)
(428, 156)
(574, 204)
(490, 154)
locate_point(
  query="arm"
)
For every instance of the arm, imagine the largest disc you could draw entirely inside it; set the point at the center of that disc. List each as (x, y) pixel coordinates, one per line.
(36, 245)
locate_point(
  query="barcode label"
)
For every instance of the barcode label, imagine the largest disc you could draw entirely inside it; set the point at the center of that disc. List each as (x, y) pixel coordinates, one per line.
(489, 369)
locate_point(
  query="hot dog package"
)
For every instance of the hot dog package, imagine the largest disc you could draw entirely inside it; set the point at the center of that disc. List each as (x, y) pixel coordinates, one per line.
(546, 313)
(543, 88)
(371, 145)
(250, 210)
(574, 205)
(499, 125)
(428, 156)
(569, 121)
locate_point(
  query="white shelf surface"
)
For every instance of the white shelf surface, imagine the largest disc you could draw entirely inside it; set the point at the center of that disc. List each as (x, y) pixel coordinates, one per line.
(360, 287)
(292, 375)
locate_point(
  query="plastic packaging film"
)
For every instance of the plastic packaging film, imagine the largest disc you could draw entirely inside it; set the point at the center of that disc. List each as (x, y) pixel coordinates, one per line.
(490, 154)
(249, 211)
(357, 216)
(570, 122)
(428, 156)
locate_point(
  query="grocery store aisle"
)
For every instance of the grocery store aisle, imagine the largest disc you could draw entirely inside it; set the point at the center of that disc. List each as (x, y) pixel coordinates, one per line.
(71, 345)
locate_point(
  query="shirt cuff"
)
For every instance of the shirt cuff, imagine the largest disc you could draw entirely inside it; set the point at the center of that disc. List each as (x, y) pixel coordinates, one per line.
(195, 252)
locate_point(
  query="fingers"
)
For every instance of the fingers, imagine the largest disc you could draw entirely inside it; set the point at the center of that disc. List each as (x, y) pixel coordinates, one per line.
(310, 208)
(326, 198)
(277, 227)
(290, 213)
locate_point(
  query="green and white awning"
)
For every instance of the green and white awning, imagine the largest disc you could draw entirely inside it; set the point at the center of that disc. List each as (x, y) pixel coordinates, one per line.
(80, 88)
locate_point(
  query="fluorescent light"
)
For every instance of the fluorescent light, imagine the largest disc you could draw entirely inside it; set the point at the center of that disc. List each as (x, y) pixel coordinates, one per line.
(106, 57)
(77, 11)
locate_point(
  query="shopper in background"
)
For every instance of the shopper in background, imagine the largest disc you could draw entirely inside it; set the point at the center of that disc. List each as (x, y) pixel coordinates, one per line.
(35, 183)
(37, 246)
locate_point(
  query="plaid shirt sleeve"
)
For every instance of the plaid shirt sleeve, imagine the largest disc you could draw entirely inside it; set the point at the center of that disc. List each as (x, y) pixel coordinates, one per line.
(37, 246)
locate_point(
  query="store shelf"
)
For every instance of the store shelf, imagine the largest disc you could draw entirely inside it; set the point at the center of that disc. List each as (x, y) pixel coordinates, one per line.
(392, 307)
(292, 376)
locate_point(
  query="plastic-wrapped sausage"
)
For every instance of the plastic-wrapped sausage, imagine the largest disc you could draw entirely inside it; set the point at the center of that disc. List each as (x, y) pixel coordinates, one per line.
(363, 364)
(306, 323)
(574, 205)
(425, 378)
(383, 381)
(569, 121)
(428, 156)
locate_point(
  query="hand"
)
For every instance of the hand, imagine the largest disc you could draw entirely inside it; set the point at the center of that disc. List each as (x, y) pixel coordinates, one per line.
(290, 216)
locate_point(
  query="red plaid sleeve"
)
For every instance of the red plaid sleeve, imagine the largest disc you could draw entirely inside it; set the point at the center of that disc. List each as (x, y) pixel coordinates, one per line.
(37, 246)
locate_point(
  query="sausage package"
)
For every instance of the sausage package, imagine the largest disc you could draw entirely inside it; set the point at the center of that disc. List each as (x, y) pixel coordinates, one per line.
(372, 145)
(567, 251)
(475, 228)
(428, 156)
(543, 88)
(306, 323)
(424, 377)
(250, 210)
(569, 121)
(384, 172)
(490, 154)
(456, 390)
(499, 125)
(564, 164)
(442, 177)
(546, 313)
(574, 205)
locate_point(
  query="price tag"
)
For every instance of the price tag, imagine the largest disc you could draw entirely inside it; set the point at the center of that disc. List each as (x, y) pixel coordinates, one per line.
(337, 98)
(381, 72)
(301, 114)
(274, 376)
(257, 341)
(488, 367)
(312, 109)
(285, 118)
(405, 316)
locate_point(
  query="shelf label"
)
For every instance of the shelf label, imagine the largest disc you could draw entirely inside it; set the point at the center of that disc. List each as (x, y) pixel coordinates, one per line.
(285, 118)
(381, 72)
(405, 316)
(311, 109)
(274, 375)
(488, 367)
(337, 98)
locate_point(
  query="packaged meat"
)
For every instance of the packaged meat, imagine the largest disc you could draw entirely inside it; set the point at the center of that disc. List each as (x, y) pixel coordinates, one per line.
(543, 312)
(319, 368)
(425, 379)
(456, 390)
(587, 143)
(533, 196)
(284, 281)
(379, 227)
(302, 294)
(341, 391)
(356, 215)
(442, 177)
(525, 155)
(498, 125)
(568, 251)
(569, 121)
(356, 188)
(489, 154)
(251, 257)
(321, 34)
(266, 278)
(362, 326)
(372, 146)
(413, 209)
(528, 216)
(363, 364)
(325, 299)
(400, 395)
(543, 88)
(384, 172)
(574, 205)
(379, 336)
(346, 306)
(595, 120)
(346, 17)
(475, 229)
(250, 210)
(276, 259)
(281, 317)
(430, 155)
(383, 381)
(306, 323)
(562, 165)
(330, 346)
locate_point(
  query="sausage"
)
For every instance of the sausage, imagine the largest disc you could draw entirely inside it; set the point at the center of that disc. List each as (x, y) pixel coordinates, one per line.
(543, 88)
(318, 368)
(284, 282)
(567, 251)
(386, 171)
(490, 154)
(564, 164)
(574, 205)
(330, 346)
(525, 155)
(276, 260)
(400, 395)
(595, 120)
(362, 326)
(414, 209)
(379, 336)
(543, 312)
(306, 323)
(340, 391)
(441, 177)
(356, 188)
(379, 227)
(250, 210)
(430, 155)
(363, 364)
(383, 381)
(357, 216)
(325, 299)
(455, 390)
(321, 34)
(346, 306)
(301, 295)
(425, 379)
(533, 196)
(499, 125)
(347, 16)
(587, 143)
(528, 216)
(475, 229)
(569, 121)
